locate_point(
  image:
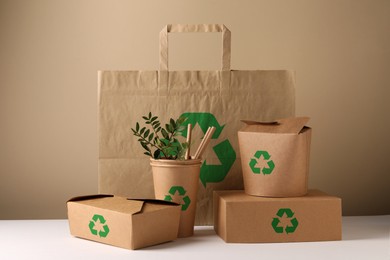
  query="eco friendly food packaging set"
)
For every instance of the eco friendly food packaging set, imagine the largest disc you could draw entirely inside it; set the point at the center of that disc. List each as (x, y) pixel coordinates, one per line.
(253, 188)
(276, 205)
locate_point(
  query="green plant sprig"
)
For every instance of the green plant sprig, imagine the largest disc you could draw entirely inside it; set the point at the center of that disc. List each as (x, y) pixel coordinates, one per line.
(162, 140)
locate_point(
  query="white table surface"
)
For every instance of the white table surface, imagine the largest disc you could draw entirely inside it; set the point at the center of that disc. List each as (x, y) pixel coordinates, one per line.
(363, 238)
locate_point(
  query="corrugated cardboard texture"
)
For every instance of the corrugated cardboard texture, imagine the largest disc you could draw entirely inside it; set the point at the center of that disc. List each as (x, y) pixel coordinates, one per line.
(240, 218)
(275, 157)
(122, 222)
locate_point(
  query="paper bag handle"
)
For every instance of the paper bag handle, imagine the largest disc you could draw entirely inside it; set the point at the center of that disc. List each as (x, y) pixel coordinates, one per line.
(180, 28)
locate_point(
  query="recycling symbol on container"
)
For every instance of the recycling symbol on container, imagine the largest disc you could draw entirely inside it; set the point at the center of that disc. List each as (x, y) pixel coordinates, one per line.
(289, 228)
(266, 157)
(181, 192)
(105, 230)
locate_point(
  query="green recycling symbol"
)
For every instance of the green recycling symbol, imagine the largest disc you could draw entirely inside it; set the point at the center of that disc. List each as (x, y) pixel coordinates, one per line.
(100, 218)
(267, 157)
(181, 191)
(224, 150)
(293, 221)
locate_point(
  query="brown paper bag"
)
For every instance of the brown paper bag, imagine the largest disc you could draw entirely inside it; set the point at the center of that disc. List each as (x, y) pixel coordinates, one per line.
(207, 98)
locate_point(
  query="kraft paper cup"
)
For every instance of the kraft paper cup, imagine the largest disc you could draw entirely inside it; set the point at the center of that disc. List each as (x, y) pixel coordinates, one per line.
(177, 181)
(275, 165)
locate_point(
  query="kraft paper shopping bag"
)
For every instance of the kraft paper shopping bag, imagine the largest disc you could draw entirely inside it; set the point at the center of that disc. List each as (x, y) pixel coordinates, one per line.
(219, 98)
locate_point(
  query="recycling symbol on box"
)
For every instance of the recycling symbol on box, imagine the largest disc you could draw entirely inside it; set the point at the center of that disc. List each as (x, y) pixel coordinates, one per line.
(181, 191)
(289, 228)
(224, 150)
(95, 219)
(265, 170)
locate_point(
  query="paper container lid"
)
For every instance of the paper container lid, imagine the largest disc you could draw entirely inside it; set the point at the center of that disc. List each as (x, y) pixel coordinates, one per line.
(291, 125)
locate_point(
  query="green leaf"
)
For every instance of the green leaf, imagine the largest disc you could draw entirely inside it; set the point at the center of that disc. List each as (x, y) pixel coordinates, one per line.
(182, 151)
(170, 128)
(164, 133)
(171, 152)
(181, 120)
(172, 122)
(156, 154)
(146, 133)
(177, 133)
(165, 141)
(145, 146)
(167, 146)
(175, 143)
(173, 128)
(181, 129)
(168, 151)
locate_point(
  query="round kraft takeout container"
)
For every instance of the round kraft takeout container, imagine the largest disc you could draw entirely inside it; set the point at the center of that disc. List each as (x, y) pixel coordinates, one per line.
(275, 165)
(177, 181)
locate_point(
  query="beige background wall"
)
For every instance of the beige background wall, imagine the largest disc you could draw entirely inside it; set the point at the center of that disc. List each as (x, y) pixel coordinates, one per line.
(50, 51)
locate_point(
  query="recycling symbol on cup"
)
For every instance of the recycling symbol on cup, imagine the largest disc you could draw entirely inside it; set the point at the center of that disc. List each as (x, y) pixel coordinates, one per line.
(289, 228)
(95, 219)
(181, 192)
(267, 157)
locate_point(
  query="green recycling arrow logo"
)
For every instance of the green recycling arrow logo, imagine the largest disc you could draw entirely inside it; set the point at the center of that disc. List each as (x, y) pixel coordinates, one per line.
(293, 221)
(100, 218)
(265, 170)
(181, 191)
(224, 150)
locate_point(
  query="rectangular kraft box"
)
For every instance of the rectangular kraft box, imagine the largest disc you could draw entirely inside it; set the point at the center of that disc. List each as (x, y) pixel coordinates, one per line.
(241, 218)
(122, 222)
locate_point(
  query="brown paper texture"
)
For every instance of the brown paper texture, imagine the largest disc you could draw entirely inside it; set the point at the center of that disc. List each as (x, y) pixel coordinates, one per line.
(122, 222)
(208, 98)
(177, 181)
(275, 157)
(240, 218)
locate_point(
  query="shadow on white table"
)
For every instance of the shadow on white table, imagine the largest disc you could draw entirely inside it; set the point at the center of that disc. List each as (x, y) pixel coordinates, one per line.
(363, 238)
